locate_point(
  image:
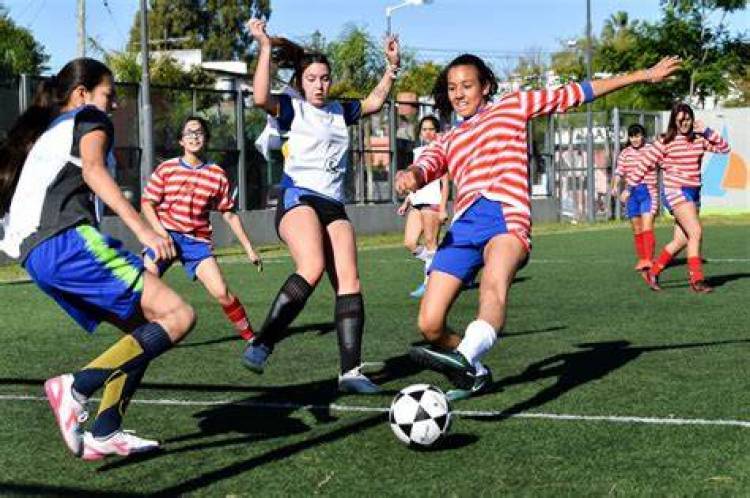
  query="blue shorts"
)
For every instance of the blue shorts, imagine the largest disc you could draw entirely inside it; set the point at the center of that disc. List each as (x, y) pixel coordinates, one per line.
(673, 197)
(190, 252)
(640, 201)
(90, 275)
(461, 253)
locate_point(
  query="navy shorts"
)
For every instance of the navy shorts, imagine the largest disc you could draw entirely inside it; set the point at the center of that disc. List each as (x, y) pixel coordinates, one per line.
(190, 252)
(328, 210)
(641, 201)
(461, 253)
(90, 275)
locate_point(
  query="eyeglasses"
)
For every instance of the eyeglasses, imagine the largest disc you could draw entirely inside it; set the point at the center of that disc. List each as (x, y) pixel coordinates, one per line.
(193, 134)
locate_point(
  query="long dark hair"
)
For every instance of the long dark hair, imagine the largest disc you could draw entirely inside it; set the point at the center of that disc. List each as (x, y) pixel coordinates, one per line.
(636, 129)
(432, 119)
(440, 90)
(51, 95)
(672, 126)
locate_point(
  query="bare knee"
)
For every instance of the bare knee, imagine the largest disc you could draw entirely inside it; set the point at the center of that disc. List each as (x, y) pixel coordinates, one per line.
(431, 329)
(179, 321)
(312, 272)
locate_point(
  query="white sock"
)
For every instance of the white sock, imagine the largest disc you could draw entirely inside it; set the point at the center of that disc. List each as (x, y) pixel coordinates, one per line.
(418, 252)
(479, 338)
(480, 368)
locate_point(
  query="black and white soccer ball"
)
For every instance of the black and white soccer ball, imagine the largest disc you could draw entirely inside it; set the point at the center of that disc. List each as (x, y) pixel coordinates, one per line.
(420, 415)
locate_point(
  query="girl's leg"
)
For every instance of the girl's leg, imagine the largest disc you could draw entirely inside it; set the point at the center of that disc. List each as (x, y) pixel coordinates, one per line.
(209, 273)
(431, 230)
(300, 229)
(166, 320)
(637, 226)
(686, 215)
(412, 231)
(647, 234)
(442, 290)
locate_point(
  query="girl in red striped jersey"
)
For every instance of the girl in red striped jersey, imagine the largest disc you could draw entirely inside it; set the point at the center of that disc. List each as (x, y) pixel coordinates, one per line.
(639, 197)
(177, 202)
(679, 154)
(486, 157)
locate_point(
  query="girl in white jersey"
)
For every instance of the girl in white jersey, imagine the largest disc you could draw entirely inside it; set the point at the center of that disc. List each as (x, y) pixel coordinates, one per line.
(53, 163)
(487, 159)
(310, 217)
(429, 208)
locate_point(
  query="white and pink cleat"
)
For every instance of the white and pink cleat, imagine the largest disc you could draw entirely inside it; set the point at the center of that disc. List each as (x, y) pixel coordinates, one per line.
(70, 414)
(121, 443)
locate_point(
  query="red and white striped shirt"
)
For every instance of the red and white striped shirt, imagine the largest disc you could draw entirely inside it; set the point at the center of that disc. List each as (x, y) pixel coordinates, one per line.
(628, 167)
(681, 158)
(487, 155)
(185, 195)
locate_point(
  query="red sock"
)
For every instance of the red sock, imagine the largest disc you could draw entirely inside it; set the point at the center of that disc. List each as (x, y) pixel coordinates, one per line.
(236, 314)
(664, 258)
(649, 244)
(695, 269)
(638, 243)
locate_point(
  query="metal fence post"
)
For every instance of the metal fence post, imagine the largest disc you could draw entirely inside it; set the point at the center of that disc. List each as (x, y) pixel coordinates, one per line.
(241, 170)
(24, 93)
(392, 145)
(616, 154)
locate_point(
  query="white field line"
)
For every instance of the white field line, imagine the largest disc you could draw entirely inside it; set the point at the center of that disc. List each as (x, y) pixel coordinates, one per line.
(622, 419)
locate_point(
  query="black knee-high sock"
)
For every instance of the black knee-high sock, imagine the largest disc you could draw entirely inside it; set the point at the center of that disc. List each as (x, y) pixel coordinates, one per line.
(288, 304)
(350, 322)
(145, 344)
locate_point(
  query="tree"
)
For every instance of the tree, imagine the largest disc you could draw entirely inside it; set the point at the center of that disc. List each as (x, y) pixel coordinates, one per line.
(420, 78)
(357, 63)
(214, 26)
(163, 70)
(19, 51)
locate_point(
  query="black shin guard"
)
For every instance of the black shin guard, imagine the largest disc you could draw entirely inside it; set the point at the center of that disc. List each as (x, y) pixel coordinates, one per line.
(350, 322)
(288, 304)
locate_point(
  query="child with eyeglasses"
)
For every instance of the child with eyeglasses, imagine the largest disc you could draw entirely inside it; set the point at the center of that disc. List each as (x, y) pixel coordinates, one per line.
(177, 202)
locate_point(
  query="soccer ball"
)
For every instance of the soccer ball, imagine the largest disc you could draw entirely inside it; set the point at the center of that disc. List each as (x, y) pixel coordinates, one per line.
(420, 415)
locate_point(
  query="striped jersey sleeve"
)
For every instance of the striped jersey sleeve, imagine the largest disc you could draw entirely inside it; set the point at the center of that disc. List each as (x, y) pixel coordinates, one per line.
(154, 191)
(224, 201)
(433, 160)
(715, 143)
(548, 101)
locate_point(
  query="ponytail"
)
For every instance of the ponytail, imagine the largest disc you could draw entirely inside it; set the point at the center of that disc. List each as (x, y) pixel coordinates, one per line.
(51, 95)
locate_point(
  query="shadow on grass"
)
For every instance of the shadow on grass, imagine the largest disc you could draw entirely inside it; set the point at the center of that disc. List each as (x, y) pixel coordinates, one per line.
(269, 415)
(321, 328)
(12, 489)
(572, 370)
(713, 281)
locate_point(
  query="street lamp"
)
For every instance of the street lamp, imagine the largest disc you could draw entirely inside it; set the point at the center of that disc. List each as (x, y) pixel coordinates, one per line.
(391, 103)
(405, 3)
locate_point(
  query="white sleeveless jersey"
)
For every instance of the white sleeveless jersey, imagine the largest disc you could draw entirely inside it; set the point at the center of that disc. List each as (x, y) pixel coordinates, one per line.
(430, 193)
(318, 144)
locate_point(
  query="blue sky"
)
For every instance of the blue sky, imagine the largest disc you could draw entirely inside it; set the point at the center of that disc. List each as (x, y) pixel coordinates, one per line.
(499, 29)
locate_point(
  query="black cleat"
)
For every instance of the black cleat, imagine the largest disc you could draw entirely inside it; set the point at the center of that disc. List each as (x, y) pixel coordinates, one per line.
(452, 364)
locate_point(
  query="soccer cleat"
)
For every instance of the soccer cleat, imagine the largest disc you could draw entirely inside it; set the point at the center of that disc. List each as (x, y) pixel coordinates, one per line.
(651, 280)
(700, 287)
(121, 443)
(450, 363)
(255, 357)
(70, 414)
(354, 381)
(642, 264)
(418, 292)
(481, 385)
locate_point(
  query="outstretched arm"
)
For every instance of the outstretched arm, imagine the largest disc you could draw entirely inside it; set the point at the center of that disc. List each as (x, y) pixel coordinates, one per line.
(262, 79)
(374, 102)
(655, 74)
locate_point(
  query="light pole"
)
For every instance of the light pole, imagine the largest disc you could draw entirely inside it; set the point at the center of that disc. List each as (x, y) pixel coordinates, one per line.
(591, 181)
(147, 132)
(390, 10)
(391, 101)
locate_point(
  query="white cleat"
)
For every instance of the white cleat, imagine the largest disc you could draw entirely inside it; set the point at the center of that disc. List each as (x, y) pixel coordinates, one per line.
(121, 443)
(70, 414)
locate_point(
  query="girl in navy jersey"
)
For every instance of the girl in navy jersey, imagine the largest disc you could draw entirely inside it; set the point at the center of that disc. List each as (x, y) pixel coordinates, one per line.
(310, 216)
(428, 208)
(54, 161)
(679, 153)
(487, 159)
(639, 196)
(177, 202)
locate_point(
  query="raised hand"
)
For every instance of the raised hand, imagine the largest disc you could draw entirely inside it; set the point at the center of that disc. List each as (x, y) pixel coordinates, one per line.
(257, 28)
(392, 50)
(664, 68)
